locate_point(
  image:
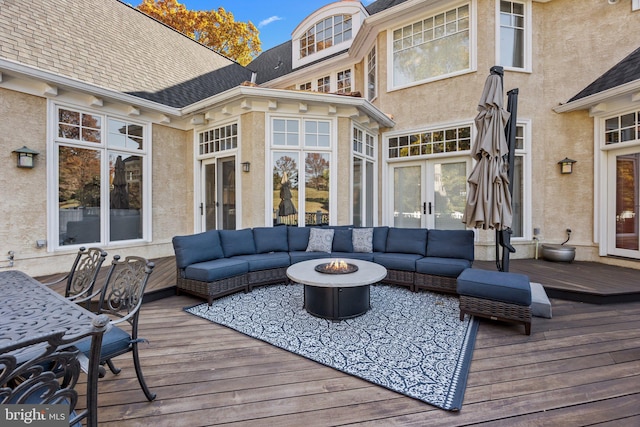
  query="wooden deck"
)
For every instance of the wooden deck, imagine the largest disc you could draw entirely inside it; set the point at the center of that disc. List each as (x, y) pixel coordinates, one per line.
(582, 367)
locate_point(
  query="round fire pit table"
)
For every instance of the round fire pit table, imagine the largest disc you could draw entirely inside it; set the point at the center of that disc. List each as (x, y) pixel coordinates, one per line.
(336, 296)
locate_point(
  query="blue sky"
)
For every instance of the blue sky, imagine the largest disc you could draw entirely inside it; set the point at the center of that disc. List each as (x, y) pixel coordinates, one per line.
(275, 19)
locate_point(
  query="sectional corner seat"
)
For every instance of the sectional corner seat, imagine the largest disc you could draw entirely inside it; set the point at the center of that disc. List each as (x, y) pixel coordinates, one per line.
(219, 262)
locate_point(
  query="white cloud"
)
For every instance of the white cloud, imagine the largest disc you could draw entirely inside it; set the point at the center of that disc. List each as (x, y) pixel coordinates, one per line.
(269, 20)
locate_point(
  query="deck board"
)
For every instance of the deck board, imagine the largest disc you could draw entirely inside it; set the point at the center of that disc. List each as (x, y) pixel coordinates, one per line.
(574, 368)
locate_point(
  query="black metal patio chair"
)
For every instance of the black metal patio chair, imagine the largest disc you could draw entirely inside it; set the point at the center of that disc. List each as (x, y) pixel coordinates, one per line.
(121, 299)
(81, 279)
(44, 370)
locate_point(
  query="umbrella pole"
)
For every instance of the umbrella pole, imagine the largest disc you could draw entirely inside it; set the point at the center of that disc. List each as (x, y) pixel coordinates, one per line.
(503, 237)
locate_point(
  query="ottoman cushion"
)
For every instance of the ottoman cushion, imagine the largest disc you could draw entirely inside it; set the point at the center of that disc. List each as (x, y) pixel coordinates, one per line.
(510, 288)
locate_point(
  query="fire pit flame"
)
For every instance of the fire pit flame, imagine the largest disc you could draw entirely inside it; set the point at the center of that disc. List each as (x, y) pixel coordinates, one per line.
(336, 266)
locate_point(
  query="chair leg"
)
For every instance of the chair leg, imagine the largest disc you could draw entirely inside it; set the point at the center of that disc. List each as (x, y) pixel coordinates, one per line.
(136, 362)
(112, 367)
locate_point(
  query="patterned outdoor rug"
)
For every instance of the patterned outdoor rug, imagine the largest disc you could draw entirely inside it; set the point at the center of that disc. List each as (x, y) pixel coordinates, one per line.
(412, 343)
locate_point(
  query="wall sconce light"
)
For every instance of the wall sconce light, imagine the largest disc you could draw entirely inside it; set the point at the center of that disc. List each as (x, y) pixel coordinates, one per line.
(246, 166)
(566, 165)
(26, 157)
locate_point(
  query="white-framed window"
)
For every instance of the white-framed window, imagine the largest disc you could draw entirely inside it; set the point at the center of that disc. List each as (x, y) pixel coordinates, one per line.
(622, 128)
(514, 34)
(101, 165)
(432, 141)
(218, 139)
(324, 84)
(343, 81)
(301, 153)
(305, 86)
(363, 172)
(432, 48)
(521, 184)
(371, 74)
(326, 33)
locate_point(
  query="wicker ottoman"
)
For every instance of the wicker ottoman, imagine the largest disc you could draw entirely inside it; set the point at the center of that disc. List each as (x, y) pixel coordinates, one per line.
(495, 295)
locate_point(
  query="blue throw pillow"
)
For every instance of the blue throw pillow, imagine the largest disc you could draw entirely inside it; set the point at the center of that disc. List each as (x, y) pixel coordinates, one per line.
(380, 238)
(298, 238)
(237, 242)
(342, 240)
(450, 244)
(407, 241)
(270, 239)
(197, 248)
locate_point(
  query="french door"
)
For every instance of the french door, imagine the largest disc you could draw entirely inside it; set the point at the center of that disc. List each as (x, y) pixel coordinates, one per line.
(429, 193)
(624, 203)
(218, 206)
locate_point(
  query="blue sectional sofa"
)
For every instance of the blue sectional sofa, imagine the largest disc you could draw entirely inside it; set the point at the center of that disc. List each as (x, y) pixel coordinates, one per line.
(219, 262)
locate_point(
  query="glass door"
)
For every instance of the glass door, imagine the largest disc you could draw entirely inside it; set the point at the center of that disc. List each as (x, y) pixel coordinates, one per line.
(624, 204)
(429, 194)
(218, 208)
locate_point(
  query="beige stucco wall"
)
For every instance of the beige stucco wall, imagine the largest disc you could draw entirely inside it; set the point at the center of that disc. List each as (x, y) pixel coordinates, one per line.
(253, 188)
(23, 122)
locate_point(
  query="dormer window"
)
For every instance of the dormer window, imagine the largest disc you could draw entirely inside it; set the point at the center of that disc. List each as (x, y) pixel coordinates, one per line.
(326, 33)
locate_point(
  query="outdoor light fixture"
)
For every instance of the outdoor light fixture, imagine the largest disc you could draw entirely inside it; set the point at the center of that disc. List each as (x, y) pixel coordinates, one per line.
(246, 166)
(566, 165)
(25, 157)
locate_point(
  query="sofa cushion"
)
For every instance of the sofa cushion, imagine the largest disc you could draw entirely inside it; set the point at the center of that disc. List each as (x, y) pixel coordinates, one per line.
(197, 248)
(237, 242)
(362, 239)
(450, 244)
(342, 240)
(501, 286)
(449, 267)
(210, 271)
(270, 239)
(298, 238)
(380, 238)
(266, 261)
(407, 241)
(298, 256)
(320, 240)
(397, 261)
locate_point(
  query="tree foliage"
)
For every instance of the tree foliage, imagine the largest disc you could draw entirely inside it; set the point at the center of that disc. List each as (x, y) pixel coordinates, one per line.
(216, 29)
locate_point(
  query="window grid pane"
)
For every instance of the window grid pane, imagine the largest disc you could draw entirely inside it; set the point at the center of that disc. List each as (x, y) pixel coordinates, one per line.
(432, 142)
(219, 139)
(326, 33)
(512, 33)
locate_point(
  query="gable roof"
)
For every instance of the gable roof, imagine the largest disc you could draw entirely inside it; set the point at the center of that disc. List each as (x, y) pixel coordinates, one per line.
(623, 72)
(110, 44)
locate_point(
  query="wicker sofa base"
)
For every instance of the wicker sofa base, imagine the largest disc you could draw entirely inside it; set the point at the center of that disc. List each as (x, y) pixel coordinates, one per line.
(496, 310)
(435, 283)
(400, 278)
(211, 290)
(267, 277)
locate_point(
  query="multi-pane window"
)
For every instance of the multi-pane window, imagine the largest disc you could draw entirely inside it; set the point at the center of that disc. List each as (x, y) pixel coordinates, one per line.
(436, 141)
(363, 178)
(326, 33)
(99, 201)
(218, 139)
(622, 128)
(433, 47)
(371, 74)
(512, 34)
(305, 86)
(301, 171)
(517, 198)
(324, 84)
(344, 81)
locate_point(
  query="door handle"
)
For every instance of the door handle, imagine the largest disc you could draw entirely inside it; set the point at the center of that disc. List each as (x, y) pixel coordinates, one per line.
(429, 208)
(201, 209)
(424, 208)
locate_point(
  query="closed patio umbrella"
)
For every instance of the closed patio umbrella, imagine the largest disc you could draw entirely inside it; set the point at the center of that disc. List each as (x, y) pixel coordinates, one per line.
(489, 203)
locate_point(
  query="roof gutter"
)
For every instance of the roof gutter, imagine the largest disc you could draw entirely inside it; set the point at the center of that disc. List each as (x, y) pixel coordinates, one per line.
(239, 92)
(600, 97)
(70, 83)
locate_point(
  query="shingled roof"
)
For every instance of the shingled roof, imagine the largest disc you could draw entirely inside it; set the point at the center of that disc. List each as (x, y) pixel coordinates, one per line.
(625, 71)
(110, 44)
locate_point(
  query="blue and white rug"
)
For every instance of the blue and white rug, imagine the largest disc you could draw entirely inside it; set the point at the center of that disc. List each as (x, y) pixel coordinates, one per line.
(412, 343)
